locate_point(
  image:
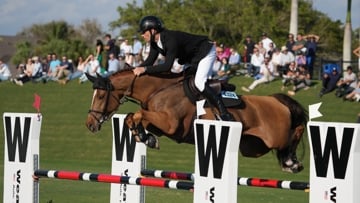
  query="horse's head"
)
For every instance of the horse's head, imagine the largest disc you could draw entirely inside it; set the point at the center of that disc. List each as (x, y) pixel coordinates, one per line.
(104, 103)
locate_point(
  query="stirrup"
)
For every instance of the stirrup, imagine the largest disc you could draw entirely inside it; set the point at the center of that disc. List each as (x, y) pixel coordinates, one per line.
(227, 117)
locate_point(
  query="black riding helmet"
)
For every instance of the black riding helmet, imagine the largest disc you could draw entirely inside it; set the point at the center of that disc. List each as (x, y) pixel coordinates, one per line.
(150, 22)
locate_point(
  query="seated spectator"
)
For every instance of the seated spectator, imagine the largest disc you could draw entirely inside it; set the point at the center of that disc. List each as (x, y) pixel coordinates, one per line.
(286, 57)
(93, 68)
(223, 70)
(302, 80)
(5, 73)
(256, 60)
(33, 71)
(80, 70)
(329, 81)
(114, 65)
(64, 69)
(355, 94)
(300, 58)
(289, 75)
(234, 59)
(346, 84)
(267, 71)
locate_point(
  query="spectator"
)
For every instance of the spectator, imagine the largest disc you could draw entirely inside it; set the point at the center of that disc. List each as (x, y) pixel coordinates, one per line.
(54, 63)
(346, 84)
(357, 53)
(311, 46)
(93, 68)
(109, 48)
(114, 65)
(301, 80)
(5, 73)
(266, 41)
(234, 59)
(224, 69)
(32, 72)
(290, 43)
(145, 51)
(100, 54)
(249, 49)
(329, 82)
(64, 69)
(354, 95)
(266, 71)
(276, 61)
(270, 51)
(300, 44)
(300, 58)
(136, 50)
(129, 58)
(289, 75)
(81, 68)
(261, 48)
(286, 57)
(256, 60)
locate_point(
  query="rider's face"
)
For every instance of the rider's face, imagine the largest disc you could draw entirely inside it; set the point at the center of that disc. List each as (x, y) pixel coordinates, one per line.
(146, 35)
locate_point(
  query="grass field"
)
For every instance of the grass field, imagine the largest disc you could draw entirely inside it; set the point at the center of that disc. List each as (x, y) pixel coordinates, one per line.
(66, 144)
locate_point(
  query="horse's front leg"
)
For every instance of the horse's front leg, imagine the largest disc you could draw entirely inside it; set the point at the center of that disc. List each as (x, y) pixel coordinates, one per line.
(135, 124)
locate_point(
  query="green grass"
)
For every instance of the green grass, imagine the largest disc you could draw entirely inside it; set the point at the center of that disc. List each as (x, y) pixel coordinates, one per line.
(66, 144)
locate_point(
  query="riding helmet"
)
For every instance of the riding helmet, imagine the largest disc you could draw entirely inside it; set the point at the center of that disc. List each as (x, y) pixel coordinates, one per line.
(150, 22)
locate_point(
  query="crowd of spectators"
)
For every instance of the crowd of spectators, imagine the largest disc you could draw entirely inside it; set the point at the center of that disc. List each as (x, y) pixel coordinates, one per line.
(264, 60)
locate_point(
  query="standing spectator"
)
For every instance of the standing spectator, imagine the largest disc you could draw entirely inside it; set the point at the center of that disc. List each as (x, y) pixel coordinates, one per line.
(301, 80)
(256, 60)
(100, 54)
(329, 82)
(5, 73)
(129, 58)
(145, 51)
(290, 42)
(110, 48)
(266, 72)
(300, 44)
(266, 42)
(311, 46)
(136, 50)
(249, 49)
(357, 53)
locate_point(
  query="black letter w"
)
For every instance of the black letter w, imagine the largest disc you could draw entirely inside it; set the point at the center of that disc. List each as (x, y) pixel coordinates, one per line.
(330, 146)
(120, 143)
(16, 138)
(211, 147)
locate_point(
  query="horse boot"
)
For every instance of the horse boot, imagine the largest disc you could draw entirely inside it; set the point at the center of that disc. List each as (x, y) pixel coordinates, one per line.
(141, 133)
(216, 101)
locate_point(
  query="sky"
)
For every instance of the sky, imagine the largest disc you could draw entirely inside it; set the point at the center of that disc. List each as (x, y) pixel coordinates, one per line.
(18, 14)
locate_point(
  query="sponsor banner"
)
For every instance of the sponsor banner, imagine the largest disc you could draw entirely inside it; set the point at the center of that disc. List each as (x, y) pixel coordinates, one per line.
(21, 157)
(334, 162)
(216, 161)
(128, 159)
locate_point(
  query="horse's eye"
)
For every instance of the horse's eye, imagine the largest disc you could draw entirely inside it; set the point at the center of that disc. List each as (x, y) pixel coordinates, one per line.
(101, 96)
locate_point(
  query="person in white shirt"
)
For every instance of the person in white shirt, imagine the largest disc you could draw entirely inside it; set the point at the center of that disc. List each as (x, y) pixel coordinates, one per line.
(5, 73)
(266, 72)
(256, 60)
(286, 57)
(266, 41)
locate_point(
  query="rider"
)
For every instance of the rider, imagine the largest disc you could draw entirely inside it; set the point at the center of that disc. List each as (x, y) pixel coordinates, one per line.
(196, 50)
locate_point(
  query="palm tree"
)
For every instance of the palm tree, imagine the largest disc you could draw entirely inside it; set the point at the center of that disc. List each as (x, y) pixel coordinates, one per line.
(294, 17)
(347, 38)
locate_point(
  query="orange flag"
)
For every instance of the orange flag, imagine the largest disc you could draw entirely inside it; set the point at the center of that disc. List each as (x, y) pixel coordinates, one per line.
(37, 102)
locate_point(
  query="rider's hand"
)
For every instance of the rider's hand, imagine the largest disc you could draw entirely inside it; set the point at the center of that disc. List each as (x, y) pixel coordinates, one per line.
(139, 70)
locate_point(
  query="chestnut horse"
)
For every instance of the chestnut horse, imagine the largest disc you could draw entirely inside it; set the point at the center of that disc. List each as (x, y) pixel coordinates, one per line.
(269, 122)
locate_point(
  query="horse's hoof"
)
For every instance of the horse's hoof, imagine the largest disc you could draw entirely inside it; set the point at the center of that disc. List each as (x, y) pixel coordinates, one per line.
(152, 142)
(295, 168)
(143, 137)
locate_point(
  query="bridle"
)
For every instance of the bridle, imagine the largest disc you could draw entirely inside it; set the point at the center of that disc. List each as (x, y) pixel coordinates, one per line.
(104, 115)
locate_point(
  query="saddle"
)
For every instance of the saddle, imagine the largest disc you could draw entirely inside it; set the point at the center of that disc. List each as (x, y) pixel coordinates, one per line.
(227, 91)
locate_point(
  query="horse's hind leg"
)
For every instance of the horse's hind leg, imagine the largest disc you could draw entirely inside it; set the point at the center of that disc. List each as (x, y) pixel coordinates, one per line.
(287, 156)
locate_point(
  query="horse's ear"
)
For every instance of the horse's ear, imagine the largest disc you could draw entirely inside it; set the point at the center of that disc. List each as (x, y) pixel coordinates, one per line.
(98, 75)
(90, 77)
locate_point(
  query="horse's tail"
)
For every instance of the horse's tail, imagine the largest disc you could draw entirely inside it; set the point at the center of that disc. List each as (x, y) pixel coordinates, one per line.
(287, 156)
(299, 116)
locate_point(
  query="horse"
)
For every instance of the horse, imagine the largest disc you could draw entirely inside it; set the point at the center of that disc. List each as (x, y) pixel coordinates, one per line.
(274, 122)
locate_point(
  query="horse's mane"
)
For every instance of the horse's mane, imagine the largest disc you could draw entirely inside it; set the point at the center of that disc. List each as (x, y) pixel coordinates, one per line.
(166, 75)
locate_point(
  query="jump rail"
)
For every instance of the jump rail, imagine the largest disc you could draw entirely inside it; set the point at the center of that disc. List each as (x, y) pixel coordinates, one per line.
(107, 178)
(243, 181)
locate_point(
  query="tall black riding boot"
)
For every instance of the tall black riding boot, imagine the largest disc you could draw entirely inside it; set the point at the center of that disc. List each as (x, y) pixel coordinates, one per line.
(216, 101)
